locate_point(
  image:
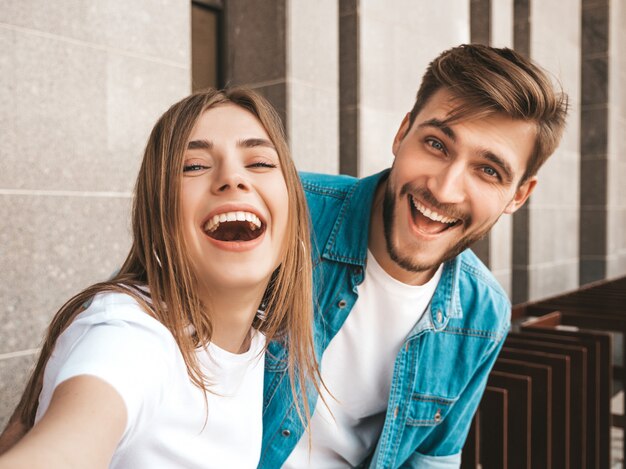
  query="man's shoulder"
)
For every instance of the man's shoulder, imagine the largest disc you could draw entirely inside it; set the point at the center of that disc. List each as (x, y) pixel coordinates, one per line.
(326, 195)
(485, 304)
(327, 185)
(477, 272)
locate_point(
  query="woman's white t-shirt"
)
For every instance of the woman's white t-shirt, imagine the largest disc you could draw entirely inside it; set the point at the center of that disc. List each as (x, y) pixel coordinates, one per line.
(168, 424)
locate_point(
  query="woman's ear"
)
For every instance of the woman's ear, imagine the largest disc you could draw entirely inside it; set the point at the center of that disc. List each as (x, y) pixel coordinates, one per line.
(401, 133)
(521, 195)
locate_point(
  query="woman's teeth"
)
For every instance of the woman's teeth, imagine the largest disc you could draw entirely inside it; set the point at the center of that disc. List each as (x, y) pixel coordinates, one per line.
(215, 221)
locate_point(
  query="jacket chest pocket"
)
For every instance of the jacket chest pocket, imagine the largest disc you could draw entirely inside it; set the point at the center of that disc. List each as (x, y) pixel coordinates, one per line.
(428, 411)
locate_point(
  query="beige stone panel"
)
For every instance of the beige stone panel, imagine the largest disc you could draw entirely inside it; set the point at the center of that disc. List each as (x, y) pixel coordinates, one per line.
(396, 45)
(14, 372)
(551, 279)
(58, 115)
(138, 92)
(314, 128)
(504, 278)
(558, 181)
(89, 106)
(53, 246)
(378, 68)
(313, 46)
(502, 23)
(554, 234)
(555, 45)
(501, 236)
(394, 58)
(447, 17)
(500, 251)
(7, 98)
(158, 29)
(377, 129)
(76, 19)
(312, 84)
(616, 232)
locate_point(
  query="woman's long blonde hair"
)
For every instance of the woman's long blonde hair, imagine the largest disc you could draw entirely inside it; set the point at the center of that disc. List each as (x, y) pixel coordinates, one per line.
(158, 258)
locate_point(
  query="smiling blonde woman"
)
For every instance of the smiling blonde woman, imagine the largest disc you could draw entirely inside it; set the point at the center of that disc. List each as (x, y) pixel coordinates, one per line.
(164, 368)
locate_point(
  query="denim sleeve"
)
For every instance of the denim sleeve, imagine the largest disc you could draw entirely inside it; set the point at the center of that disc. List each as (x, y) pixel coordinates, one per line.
(442, 448)
(422, 461)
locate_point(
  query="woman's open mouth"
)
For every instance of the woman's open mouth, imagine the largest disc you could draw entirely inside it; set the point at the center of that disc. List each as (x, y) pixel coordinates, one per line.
(239, 226)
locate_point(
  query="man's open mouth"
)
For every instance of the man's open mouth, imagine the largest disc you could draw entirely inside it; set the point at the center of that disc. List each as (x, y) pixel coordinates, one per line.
(239, 226)
(430, 221)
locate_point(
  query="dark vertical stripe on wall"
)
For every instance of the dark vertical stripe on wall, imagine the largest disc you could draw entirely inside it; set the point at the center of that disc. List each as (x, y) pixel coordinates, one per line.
(521, 221)
(480, 32)
(349, 87)
(480, 21)
(594, 114)
(256, 49)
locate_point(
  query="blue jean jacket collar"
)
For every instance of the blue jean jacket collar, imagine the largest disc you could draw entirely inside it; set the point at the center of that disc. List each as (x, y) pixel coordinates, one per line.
(349, 246)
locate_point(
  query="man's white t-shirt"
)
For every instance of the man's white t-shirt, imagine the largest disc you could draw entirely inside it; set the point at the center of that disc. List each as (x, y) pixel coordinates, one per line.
(168, 424)
(357, 368)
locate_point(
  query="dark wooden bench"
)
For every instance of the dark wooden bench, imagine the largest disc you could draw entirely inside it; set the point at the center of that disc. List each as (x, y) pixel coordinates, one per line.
(562, 348)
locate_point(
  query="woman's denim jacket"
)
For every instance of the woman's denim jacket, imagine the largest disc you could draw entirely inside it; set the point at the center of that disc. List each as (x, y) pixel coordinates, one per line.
(441, 370)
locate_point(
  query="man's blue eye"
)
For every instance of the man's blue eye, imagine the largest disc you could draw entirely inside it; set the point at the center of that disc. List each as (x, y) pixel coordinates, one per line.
(490, 172)
(436, 144)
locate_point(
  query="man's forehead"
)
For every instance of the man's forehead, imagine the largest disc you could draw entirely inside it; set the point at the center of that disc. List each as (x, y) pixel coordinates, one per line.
(489, 132)
(450, 108)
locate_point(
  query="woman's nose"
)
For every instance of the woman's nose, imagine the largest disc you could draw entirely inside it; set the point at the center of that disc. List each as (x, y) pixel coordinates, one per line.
(228, 177)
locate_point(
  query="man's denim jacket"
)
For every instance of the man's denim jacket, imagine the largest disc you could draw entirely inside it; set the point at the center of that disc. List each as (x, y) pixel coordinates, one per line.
(441, 370)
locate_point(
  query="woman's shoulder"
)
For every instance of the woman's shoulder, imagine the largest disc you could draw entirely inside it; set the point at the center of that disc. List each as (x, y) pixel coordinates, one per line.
(127, 311)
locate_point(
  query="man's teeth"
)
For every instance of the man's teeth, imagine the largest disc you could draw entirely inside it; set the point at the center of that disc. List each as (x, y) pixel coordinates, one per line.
(431, 214)
(215, 221)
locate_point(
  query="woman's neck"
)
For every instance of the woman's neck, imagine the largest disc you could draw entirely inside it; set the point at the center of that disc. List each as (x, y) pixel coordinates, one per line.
(232, 313)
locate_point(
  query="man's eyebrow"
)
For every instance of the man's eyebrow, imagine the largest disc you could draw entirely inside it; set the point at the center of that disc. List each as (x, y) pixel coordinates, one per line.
(439, 124)
(255, 142)
(200, 145)
(499, 162)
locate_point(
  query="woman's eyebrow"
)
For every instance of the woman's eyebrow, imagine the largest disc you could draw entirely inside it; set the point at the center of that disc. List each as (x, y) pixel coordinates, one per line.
(200, 145)
(243, 143)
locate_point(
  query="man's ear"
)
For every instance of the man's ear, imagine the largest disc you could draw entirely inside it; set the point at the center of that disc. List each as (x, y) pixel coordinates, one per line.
(404, 128)
(521, 195)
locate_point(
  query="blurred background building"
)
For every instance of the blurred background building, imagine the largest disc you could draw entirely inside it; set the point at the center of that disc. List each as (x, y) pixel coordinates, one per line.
(83, 81)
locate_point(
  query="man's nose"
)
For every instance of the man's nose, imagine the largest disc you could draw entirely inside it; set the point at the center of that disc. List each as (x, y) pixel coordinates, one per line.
(448, 185)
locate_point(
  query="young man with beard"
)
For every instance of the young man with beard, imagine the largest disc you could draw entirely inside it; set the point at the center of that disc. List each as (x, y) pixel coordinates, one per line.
(409, 322)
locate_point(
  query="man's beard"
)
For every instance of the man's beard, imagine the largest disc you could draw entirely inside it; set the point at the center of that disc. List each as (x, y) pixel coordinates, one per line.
(408, 263)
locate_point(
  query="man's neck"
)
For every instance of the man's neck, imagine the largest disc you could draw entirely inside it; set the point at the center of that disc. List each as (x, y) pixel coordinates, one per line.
(377, 244)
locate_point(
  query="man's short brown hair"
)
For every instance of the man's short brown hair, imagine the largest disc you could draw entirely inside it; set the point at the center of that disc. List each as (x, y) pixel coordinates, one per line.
(487, 80)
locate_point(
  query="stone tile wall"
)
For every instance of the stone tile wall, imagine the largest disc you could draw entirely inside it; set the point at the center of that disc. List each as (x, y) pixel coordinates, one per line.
(81, 85)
